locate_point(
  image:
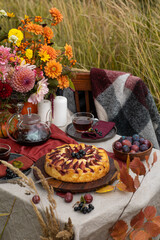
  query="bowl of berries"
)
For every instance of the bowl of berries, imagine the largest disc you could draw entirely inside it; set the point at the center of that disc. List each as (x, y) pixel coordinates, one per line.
(134, 146)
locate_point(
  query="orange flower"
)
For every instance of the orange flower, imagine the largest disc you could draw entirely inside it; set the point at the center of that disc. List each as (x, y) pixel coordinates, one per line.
(35, 28)
(48, 33)
(38, 19)
(63, 82)
(68, 51)
(53, 69)
(57, 16)
(49, 50)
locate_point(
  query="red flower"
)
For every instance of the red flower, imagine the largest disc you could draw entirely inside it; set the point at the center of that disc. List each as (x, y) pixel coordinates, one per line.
(5, 90)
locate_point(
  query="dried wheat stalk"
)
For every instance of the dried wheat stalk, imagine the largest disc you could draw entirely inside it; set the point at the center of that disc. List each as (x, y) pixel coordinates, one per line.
(49, 223)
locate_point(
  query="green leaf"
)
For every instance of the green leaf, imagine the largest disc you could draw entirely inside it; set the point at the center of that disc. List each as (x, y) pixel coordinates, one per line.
(71, 85)
(17, 164)
(82, 199)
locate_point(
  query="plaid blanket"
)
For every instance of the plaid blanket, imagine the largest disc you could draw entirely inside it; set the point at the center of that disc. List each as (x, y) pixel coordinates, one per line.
(126, 100)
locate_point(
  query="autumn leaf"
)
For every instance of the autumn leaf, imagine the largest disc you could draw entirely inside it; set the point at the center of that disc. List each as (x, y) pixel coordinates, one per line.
(139, 235)
(137, 167)
(118, 176)
(119, 230)
(136, 182)
(150, 212)
(116, 164)
(114, 176)
(154, 158)
(156, 220)
(138, 220)
(121, 186)
(128, 161)
(131, 235)
(152, 229)
(108, 188)
(127, 179)
(147, 159)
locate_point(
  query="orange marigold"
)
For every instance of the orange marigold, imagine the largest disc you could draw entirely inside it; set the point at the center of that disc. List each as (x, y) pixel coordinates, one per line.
(68, 51)
(53, 69)
(50, 51)
(48, 33)
(38, 19)
(35, 28)
(57, 16)
(63, 82)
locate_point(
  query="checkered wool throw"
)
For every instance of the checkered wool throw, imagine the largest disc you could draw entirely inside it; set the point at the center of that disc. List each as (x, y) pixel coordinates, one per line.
(126, 100)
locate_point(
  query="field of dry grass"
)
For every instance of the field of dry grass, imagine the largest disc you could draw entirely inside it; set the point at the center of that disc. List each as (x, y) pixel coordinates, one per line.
(113, 34)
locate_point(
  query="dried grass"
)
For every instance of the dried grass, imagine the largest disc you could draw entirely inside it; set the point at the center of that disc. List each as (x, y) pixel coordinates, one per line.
(48, 219)
(28, 181)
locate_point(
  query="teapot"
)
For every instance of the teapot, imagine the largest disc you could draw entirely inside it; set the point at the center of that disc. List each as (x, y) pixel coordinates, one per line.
(27, 129)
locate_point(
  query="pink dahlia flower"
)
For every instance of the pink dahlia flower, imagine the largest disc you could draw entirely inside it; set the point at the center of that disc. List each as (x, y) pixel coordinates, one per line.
(4, 55)
(3, 72)
(23, 80)
(42, 90)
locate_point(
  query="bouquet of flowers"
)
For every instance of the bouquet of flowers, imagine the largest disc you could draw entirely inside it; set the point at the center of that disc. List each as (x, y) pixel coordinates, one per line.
(32, 66)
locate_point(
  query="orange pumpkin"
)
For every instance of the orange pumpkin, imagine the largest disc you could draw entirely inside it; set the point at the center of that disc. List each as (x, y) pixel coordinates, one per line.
(29, 105)
(4, 115)
(3, 124)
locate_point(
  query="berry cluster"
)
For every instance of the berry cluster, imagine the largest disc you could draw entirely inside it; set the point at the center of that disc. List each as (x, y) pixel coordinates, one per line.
(96, 131)
(82, 205)
(10, 174)
(83, 208)
(78, 154)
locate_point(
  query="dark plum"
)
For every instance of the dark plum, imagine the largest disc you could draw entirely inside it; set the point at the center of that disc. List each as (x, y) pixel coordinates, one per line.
(135, 148)
(143, 147)
(68, 197)
(132, 151)
(88, 198)
(135, 137)
(126, 148)
(118, 145)
(141, 140)
(36, 199)
(129, 138)
(146, 142)
(136, 143)
(126, 142)
(121, 139)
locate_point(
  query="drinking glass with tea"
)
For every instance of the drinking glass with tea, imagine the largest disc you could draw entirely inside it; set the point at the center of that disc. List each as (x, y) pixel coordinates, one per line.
(4, 151)
(82, 121)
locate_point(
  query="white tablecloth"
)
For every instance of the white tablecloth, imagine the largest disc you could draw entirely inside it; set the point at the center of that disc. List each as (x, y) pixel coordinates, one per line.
(23, 223)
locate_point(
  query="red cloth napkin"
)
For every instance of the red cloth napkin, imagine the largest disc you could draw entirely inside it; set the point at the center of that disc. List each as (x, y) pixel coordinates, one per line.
(102, 126)
(27, 163)
(58, 138)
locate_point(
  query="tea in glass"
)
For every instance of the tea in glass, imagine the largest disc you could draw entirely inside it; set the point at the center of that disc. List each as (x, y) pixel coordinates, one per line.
(82, 121)
(4, 151)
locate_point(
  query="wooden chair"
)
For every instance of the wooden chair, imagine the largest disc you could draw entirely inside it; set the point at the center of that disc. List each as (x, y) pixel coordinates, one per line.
(82, 82)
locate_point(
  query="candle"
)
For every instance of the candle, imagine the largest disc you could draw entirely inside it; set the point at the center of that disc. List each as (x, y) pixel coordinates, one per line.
(44, 110)
(60, 111)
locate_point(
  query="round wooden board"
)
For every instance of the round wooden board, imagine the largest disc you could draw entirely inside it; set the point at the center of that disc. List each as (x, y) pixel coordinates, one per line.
(77, 187)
